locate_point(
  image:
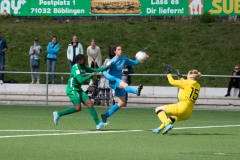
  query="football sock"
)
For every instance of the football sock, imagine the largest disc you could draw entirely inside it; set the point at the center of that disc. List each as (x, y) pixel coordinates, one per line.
(169, 121)
(94, 115)
(162, 126)
(67, 111)
(113, 109)
(130, 90)
(163, 117)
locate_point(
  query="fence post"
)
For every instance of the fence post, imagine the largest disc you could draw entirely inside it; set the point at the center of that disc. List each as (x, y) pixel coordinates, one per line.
(47, 88)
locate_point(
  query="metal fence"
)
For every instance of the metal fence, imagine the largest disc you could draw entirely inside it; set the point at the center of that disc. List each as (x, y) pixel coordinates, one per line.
(147, 75)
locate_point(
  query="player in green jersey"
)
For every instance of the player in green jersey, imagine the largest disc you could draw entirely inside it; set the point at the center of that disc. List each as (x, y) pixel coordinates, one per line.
(75, 92)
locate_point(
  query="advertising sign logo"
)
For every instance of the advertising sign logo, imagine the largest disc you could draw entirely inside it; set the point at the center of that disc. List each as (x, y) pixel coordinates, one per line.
(11, 6)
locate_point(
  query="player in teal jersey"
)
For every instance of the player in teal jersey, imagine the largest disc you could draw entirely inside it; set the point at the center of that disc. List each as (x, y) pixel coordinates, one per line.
(114, 74)
(75, 92)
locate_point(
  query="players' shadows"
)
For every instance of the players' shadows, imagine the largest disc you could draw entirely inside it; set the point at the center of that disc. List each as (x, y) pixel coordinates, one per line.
(169, 133)
(192, 134)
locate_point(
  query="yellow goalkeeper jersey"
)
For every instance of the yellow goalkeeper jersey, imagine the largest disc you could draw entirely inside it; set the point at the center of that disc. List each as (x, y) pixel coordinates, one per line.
(189, 89)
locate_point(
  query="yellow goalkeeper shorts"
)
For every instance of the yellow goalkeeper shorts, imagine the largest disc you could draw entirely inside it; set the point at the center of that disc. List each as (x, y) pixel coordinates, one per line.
(181, 110)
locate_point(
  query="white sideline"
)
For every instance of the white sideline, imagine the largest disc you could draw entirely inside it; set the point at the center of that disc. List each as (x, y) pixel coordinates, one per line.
(40, 130)
(77, 132)
(73, 133)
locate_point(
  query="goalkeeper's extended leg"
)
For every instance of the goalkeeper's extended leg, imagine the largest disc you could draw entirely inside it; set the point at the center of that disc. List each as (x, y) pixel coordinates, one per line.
(160, 111)
(171, 119)
(159, 129)
(169, 125)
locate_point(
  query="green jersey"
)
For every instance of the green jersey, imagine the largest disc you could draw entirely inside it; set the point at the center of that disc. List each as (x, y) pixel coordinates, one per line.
(77, 77)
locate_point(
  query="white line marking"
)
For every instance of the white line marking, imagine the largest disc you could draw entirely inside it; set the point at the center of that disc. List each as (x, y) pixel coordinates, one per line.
(224, 126)
(220, 153)
(40, 130)
(77, 132)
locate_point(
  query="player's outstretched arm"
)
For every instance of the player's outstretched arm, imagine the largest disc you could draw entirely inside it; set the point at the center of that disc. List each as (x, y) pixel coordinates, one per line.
(131, 62)
(90, 70)
(80, 78)
(172, 81)
(108, 76)
(77, 74)
(177, 83)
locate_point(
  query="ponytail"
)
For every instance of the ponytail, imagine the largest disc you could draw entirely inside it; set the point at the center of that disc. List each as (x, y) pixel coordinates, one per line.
(111, 52)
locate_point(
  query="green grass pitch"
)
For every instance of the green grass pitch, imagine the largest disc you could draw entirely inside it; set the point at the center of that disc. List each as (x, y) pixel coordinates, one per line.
(28, 133)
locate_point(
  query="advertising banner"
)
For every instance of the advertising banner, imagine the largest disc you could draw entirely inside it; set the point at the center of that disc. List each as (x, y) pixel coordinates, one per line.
(119, 7)
(223, 7)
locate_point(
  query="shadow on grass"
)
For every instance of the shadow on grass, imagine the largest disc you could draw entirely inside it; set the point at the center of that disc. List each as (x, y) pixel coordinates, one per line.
(192, 134)
(172, 134)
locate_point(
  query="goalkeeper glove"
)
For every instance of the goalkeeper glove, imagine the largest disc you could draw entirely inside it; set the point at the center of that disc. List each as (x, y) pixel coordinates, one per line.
(167, 69)
(179, 74)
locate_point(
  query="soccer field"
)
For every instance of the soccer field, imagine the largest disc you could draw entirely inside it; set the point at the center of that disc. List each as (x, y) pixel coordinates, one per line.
(28, 133)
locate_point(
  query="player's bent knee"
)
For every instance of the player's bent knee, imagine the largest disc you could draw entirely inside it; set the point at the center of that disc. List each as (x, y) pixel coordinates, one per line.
(89, 106)
(89, 103)
(123, 84)
(78, 108)
(120, 105)
(159, 109)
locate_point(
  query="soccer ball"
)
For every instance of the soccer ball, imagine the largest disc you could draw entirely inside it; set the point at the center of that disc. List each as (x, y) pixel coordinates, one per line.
(141, 56)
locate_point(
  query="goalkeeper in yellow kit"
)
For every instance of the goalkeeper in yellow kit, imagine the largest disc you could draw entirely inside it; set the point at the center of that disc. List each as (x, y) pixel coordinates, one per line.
(187, 95)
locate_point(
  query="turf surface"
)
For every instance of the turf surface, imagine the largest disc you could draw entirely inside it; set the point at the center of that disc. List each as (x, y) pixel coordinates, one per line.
(28, 132)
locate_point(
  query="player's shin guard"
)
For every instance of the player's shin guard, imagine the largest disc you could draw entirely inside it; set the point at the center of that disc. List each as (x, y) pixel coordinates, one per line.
(94, 115)
(130, 90)
(67, 111)
(113, 109)
(162, 116)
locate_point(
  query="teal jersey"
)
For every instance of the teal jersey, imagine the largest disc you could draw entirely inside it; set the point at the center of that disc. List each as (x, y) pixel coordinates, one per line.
(77, 77)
